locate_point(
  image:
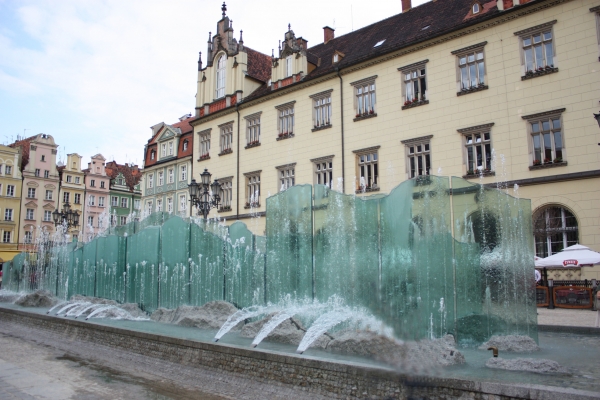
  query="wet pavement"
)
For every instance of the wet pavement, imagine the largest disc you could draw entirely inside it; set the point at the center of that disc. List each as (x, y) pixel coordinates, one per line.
(567, 317)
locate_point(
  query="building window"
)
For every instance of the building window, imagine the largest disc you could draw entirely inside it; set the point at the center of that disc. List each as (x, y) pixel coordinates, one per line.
(182, 202)
(163, 149)
(288, 65)
(169, 204)
(31, 193)
(286, 121)
(29, 213)
(537, 49)
(10, 190)
(93, 183)
(77, 179)
(28, 237)
(414, 80)
(478, 148)
(47, 216)
(48, 194)
(226, 193)
(77, 198)
(91, 200)
(367, 161)
(8, 214)
(8, 170)
(322, 109)
(171, 148)
(253, 189)
(221, 73)
(286, 176)
(161, 178)
(185, 145)
(66, 197)
(170, 175)
(123, 219)
(554, 228)
(204, 144)
(90, 220)
(152, 154)
(46, 174)
(183, 173)
(150, 181)
(323, 169)
(69, 178)
(6, 236)
(124, 202)
(102, 184)
(43, 157)
(149, 207)
(159, 205)
(418, 156)
(114, 201)
(226, 137)
(37, 172)
(471, 68)
(364, 97)
(100, 201)
(253, 130)
(476, 8)
(136, 204)
(547, 145)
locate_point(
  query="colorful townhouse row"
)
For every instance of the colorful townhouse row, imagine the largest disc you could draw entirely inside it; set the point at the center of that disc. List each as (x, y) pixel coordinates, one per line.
(33, 185)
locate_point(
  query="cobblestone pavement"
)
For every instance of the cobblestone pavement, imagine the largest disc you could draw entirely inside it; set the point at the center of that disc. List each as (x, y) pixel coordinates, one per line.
(566, 317)
(40, 365)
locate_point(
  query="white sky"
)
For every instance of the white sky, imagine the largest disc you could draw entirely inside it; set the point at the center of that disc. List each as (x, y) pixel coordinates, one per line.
(97, 74)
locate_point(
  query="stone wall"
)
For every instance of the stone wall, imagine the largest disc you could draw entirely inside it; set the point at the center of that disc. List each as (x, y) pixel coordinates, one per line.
(323, 378)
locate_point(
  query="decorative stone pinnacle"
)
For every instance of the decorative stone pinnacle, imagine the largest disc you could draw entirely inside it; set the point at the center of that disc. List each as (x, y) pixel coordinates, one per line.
(209, 37)
(289, 27)
(224, 9)
(241, 37)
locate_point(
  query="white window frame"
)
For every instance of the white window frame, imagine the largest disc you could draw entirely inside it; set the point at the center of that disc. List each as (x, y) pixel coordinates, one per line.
(169, 205)
(30, 214)
(323, 171)
(31, 193)
(69, 178)
(136, 204)
(253, 189)
(367, 169)
(8, 214)
(204, 143)
(286, 176)
(66, 197)
(149, 206)
(365, 97)
(90, 220)
(91, 200)
(322, 109)
(28, 238)
(226, 192)
(253, 129)
(414, 84)
(553, 230)
(123, 220)
(418, 156)
(150, 181)
(182, 202)
(470, 68)
(226, 137)
(100, 201)
(159, 205)
(114, 201)
(163, 150)
(124, 202)
(171, 145)
(77, 198)
(170, 175)
(183, 173)
(289, 66)
(546, 135)
(285, 120)
(8, 170)
(47, 216)
(77, 180)
(535, 59)
(161, 178)
(221, 76)
(6, 237)
(477, 143)
(48, 195)
(10, 190)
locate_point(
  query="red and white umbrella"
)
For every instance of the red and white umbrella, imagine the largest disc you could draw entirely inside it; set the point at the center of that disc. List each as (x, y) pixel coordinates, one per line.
(572, 256)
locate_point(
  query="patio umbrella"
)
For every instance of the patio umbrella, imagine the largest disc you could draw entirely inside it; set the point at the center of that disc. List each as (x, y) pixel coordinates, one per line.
(572, 256)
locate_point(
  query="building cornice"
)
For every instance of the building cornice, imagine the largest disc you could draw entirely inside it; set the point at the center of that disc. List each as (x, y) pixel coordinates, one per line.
(475, 128)
(544, 114)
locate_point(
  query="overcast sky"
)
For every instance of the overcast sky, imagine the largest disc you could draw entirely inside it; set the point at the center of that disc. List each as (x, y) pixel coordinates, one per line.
(97, 74)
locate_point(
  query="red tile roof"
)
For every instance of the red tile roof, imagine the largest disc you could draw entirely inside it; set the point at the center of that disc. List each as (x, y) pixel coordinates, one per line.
(24, 145)
(131, 173)
(259, 65)
(186, 133)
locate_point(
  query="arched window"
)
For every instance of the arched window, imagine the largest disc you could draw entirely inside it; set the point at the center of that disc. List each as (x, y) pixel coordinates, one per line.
(221, 64)
(554, 228)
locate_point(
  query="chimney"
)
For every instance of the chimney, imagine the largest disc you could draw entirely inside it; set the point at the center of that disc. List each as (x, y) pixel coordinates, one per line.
(328, 34)
(406, 5)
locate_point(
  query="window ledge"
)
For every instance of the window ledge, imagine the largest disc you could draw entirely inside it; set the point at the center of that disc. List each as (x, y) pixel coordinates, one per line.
(422, 180)
(225, 152)
(365, 116)
(283, 136)
(541, 72)
(479, 174)
(251, 145)
(548, 165)
(472, 90)
(367, 190)
(202, 158)
(248, 206)
(320, 128)
(225, 209)
(415, 104)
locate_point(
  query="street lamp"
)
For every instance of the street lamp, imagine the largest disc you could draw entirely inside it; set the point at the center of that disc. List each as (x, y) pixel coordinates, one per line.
(67, 217)
(200, 193)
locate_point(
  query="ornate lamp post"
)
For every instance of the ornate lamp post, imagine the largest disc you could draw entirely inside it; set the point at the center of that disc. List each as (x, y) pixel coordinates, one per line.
(200, 193)
(67, 217)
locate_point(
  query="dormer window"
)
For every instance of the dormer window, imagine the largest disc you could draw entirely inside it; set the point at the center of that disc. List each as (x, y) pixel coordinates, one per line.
(476, 8)
(221, 64)
(288, 66)
(152, 154)
(163, 149)
(336, 58)
(185, 145)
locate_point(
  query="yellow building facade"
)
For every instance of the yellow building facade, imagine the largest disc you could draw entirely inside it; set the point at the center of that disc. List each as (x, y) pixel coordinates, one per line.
(499, 93)
(72, 189)
(10, 200)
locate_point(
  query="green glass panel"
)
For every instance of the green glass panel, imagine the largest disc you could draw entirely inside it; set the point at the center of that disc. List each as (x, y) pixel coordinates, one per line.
(110, 272)
(141, 285)
(207, 264)
(289, 244)
(174, 266)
